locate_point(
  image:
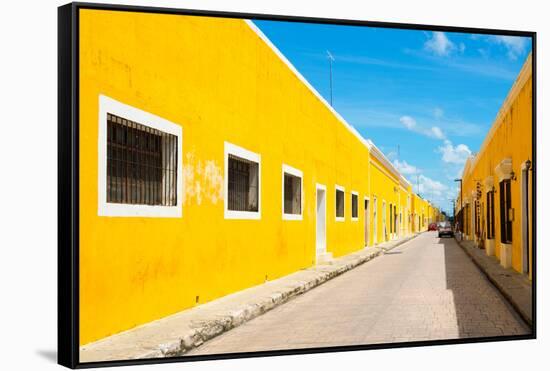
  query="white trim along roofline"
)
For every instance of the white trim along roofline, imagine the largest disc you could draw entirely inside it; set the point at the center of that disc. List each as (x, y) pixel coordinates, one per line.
(525, 72)
(300, 77)
(384, 160)
(366, 142)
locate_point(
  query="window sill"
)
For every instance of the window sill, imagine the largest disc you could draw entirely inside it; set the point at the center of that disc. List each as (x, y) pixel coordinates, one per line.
(245, 215)
(147, 211)
(292, 217)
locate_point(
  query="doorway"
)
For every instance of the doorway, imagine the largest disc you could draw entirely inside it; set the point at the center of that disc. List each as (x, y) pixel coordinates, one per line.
(367, 222)
(321, 221)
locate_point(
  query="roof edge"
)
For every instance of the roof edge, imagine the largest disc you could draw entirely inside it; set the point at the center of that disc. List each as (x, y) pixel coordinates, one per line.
(281, 56)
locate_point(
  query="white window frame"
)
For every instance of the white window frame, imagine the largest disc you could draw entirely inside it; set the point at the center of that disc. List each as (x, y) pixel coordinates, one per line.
(351, 206)
(112, 106)
(297, 173)
(339, 218)
(233, 149)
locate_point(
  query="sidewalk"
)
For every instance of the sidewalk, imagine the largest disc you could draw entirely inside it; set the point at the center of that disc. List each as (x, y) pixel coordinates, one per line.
(513, 286)
(177, 334)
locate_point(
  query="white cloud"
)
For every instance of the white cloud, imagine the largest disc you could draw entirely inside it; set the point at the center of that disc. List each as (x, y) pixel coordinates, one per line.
(454, 154)
(438, 113)
(439, 44)
(431, 188)
(405, 168)
(408, 121)
(515, 45)
(437, 133)
(461, 48)
(411, 124)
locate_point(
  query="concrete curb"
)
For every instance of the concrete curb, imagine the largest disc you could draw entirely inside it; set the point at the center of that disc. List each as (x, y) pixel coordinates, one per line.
(516, 294)
(198, 332)
(209, 329)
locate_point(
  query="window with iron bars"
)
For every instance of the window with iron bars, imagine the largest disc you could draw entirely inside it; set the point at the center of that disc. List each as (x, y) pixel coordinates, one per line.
(354, 206)
(505, 207)
(490, 214)
(292, 194)
(339, 203)
(242, 186)
(141, 164)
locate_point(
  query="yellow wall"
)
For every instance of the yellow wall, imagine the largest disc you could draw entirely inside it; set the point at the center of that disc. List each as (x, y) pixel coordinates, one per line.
(383, 187)
(420, 213)
(402, 208)
(137, 269)
(509, 137)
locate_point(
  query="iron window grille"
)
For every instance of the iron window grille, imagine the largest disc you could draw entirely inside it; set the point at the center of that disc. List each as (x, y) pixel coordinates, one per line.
(505, 206)
(292, 194)
(354, 206)
(141, 164)
(242, 185)
(339, 203)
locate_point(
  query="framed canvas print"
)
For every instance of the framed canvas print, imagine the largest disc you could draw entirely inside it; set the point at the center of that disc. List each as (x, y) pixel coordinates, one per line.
(235, 185)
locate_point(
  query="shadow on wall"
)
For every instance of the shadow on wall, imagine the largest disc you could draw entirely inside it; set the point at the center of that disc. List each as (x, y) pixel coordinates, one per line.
(481, 311)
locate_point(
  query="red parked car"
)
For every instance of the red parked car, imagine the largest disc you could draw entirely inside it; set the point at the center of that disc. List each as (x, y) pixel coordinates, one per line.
(432, 227)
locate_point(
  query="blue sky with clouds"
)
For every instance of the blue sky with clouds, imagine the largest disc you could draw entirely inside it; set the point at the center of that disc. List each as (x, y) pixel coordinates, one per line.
(433, 94)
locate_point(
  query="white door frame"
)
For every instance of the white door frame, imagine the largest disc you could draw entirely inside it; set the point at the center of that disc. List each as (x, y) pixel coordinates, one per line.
(318, 244)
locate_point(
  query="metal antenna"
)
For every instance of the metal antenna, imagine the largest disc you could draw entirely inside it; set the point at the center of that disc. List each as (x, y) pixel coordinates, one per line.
(330, 60)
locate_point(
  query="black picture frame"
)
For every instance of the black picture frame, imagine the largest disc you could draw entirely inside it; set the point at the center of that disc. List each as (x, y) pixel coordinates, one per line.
(68, 181)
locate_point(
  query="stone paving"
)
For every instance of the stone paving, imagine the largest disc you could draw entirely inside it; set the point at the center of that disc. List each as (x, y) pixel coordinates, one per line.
(514, 286)
(425, 289)
(179, 333)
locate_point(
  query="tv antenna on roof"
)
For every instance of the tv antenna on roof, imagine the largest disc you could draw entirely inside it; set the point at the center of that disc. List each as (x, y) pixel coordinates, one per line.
(330, 60)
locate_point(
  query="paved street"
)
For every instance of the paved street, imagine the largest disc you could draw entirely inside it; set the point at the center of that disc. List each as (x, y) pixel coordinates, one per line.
(425, 289)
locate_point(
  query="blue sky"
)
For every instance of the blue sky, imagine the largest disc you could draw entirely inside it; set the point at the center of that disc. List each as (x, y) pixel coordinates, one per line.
(433, 94)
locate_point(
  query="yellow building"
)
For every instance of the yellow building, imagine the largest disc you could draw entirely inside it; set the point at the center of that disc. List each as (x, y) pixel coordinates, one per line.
(388, 194)
(206, 169)
(420, 213)
(497, 182)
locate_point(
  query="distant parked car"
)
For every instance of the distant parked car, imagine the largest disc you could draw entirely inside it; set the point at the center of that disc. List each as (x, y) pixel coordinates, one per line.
(432, 227)
(444, 229)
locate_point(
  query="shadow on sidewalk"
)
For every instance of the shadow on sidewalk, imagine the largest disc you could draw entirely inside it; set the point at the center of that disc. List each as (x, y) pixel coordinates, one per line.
(480, 309)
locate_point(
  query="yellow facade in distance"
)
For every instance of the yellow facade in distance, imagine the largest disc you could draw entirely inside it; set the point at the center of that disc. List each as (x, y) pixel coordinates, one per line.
(228, 87)
(506, 153)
